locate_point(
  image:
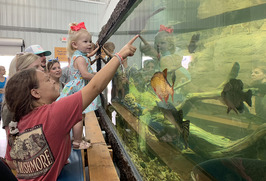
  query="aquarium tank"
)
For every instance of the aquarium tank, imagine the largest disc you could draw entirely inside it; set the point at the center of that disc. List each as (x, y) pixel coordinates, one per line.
(190, 104)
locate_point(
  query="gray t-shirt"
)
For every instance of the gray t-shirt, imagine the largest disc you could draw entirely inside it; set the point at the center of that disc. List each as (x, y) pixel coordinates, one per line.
(65, 75)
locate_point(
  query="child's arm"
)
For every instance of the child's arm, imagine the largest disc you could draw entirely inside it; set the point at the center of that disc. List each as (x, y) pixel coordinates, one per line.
(107, 52)
(94, 51)
(105, 75)
(81, 65)
(148, 50)
(96, 58)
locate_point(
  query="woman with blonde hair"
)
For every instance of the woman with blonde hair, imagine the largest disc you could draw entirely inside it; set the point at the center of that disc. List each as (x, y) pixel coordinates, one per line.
(20, 62)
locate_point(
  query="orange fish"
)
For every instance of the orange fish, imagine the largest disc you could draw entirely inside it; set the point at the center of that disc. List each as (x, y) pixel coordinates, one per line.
(161, 86)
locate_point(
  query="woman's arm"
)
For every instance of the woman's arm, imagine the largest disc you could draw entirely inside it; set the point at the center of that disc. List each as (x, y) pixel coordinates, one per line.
(105, 75)
(2, 91)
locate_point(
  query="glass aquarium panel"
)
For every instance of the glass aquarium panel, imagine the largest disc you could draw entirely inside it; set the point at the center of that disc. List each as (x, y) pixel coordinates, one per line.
(191, 102)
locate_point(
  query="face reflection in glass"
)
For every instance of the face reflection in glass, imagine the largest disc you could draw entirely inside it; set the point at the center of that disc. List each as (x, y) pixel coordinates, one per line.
(162, 44)
(257, 74)
(150, 67)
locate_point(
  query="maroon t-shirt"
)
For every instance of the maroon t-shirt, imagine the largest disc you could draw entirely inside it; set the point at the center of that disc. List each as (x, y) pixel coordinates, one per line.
(43, 145)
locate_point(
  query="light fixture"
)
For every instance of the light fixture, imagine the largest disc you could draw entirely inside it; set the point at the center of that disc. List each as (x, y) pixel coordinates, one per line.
(91, 1)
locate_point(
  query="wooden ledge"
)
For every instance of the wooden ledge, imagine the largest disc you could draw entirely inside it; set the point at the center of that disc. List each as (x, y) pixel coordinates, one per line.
(100, 163)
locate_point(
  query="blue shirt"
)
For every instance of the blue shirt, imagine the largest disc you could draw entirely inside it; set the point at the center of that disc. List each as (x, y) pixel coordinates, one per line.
(2, 85)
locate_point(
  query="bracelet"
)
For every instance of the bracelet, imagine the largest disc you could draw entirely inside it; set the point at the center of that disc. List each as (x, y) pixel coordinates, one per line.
(120, 58)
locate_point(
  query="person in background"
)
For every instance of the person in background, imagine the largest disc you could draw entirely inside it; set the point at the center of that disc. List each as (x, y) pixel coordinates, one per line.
(2, 85)
(65, 78)
(107, 51)
(165, 54)
(38, 50)
(31, 95)
(149, 68)
(78, 47)
(258, 77)
(54, 70)
(5, 171)
(20, 62)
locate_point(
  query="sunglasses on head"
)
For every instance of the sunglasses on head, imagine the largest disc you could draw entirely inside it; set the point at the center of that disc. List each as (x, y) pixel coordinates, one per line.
(53, 59)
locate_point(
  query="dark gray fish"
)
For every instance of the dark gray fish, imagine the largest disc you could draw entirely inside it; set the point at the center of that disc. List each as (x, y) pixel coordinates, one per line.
(234, 96)
(176, 118)
(192, 44)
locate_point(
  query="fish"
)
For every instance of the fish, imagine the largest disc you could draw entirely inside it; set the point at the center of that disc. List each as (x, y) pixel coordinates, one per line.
(234, 96)
(232, 74)
(161, 85)
(176, 118)
(192, 44)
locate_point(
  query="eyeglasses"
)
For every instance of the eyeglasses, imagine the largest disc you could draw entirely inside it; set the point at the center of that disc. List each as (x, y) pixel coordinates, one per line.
(53, 59)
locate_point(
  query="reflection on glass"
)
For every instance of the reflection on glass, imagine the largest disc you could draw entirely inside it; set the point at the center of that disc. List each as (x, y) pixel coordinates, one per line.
(197, 101)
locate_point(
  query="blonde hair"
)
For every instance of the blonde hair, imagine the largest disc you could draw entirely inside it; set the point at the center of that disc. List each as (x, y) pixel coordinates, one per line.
(110, 46)
(21, 61)
(169, 37)
(74, 36)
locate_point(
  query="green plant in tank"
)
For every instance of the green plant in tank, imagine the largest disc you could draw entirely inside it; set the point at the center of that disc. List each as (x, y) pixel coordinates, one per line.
(149, 166)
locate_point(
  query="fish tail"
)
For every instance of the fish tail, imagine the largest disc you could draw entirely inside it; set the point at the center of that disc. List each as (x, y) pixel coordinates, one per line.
(248, 96)
(172, 90)
(185, 125)
(173, 78)
(172, 94)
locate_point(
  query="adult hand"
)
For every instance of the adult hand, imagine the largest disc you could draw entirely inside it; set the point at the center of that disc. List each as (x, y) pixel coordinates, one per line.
(128, 49)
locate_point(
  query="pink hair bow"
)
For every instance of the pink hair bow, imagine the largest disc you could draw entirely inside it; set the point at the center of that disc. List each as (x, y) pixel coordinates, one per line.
(78, 27)
(168, 30)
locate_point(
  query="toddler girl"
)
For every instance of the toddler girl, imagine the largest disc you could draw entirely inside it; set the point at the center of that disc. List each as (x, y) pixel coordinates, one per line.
(78, 47)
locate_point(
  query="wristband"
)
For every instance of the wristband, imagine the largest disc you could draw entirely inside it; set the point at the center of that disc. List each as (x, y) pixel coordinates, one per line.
(120, 58)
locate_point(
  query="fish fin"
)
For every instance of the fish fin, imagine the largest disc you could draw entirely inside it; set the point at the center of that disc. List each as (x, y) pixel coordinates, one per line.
(248, 96)
(240, 108)
(165, 73)
(172, 94)
(185, 126)
(235, 110)
(230, 108)
(160, 97)
(166, 99)
(173, 79)
(180, 115)
(234, 71)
